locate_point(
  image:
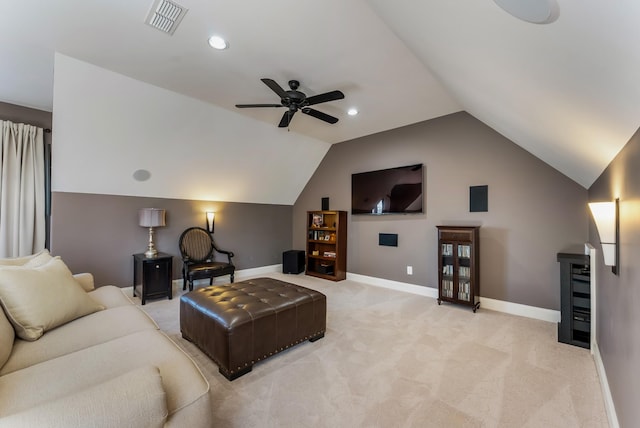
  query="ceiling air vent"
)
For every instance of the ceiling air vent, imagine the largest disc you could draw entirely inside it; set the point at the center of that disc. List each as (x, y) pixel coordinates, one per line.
(165, 15)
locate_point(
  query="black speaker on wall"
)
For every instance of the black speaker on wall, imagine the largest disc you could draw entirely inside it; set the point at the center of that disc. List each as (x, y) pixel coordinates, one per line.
(325, 204)
(478, 199)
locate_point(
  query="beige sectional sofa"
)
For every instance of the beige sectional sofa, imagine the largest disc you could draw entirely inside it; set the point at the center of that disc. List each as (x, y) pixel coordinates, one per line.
(111, 367)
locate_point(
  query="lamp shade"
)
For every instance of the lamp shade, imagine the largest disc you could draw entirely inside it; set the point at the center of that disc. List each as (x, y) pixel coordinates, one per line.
(151, 217)
(211, 218)
(604, 215)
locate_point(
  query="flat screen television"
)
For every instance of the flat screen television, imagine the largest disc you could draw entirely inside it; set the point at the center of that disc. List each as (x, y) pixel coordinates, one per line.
(387, 191)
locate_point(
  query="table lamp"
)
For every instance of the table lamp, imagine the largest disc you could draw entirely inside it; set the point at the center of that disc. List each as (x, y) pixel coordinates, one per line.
(151, 217)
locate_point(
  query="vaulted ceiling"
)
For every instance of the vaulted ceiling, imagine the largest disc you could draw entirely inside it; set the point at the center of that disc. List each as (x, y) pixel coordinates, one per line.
(565, 91)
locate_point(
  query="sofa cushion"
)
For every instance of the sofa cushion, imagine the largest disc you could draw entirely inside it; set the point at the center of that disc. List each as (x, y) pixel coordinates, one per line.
(110, 296)
(7, 336)
(59, 377)
(85, 280)
(38, 299)
(37, 258)
(93, 329)
(134, 399)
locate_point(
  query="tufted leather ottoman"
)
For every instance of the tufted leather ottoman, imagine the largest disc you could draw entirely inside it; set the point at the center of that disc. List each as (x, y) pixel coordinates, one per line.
(239, 324)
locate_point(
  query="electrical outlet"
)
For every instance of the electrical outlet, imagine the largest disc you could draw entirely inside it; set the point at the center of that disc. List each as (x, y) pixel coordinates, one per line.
(409, 270)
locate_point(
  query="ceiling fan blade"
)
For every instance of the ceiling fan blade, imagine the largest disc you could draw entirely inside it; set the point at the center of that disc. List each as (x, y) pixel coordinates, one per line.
(286, 119)
(275, 87)
(323, 98)
(258, 105)
(319, 115)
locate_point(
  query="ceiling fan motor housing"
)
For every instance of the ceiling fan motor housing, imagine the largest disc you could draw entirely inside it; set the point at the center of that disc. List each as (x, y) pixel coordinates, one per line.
(294, 97)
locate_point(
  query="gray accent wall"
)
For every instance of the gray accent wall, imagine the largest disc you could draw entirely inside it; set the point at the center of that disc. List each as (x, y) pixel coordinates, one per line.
(19, 114)
(534, 210)
(618, 297)
(100, 233)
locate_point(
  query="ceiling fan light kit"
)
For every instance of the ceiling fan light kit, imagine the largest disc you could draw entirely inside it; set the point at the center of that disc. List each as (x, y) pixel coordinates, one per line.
(295, 100)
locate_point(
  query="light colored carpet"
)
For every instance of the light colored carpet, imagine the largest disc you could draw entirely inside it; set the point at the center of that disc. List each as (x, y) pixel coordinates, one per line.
(393, 359)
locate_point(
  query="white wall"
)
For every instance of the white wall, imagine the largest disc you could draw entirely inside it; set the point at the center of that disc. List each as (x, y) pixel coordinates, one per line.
(106, 126)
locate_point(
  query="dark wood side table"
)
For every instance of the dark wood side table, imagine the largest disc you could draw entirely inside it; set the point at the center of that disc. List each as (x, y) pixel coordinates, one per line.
(157, 274)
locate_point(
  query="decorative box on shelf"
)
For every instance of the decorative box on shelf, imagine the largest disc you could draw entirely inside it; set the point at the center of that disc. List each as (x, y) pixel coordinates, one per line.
(325, 268)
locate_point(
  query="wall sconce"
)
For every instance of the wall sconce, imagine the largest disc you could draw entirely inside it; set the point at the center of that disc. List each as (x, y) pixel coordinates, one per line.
(151, 217)
(607, 218)
(211, 218)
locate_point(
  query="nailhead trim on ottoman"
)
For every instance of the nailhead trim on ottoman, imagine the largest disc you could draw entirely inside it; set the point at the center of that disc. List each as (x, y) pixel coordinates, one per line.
(241, 323)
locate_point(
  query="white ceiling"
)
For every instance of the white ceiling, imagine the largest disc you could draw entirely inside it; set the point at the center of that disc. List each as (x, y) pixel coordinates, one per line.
(565, 91)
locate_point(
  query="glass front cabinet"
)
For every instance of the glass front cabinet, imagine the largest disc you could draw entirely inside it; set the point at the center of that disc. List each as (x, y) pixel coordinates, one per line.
(458, 265)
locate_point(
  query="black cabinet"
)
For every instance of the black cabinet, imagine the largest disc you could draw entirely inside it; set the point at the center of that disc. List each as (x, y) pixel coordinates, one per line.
(156, 278)
(459, 265)
(574, 327)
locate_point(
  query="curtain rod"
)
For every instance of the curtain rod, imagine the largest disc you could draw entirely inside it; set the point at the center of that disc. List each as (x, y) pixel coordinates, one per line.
(47, 131)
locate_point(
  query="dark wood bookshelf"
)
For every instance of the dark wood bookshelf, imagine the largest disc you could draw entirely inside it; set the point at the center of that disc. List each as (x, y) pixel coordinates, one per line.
(327, 244)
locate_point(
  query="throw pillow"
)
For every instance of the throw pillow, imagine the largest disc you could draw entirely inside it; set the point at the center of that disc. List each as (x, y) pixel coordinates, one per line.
(42, 298)
(38, 258)
(42, 258)
(85, 280)
(7, 336)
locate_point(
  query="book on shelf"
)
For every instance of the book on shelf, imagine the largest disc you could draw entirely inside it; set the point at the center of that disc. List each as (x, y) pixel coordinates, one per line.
(464, 290)
(447, 288)
(465, 271)
(318, 235)
(464, 251)
(447, 249)
(329, 254)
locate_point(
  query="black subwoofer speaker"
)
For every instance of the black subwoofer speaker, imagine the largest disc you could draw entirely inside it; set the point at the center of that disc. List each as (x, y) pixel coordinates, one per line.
(293, 261)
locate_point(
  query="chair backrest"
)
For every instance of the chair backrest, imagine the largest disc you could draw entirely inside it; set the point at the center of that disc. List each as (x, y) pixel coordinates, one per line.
(196, 244)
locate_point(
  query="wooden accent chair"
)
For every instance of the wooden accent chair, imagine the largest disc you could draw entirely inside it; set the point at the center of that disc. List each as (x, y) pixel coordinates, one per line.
(198, 252)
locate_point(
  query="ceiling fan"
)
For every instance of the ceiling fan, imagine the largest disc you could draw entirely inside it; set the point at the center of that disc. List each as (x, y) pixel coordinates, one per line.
(295, 100)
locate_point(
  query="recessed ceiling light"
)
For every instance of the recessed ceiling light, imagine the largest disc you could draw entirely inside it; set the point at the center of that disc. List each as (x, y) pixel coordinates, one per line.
(352, 111)
(534, 11)
(218, 42)
(141, 175)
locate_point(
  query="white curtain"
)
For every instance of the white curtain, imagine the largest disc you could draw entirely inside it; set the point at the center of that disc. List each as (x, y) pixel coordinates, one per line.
(22, 191)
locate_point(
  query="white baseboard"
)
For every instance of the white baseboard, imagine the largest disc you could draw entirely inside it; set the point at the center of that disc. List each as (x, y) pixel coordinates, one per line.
(394, 285)
(486, 303)
(604, 384)
(521, 310)
(245, 273)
